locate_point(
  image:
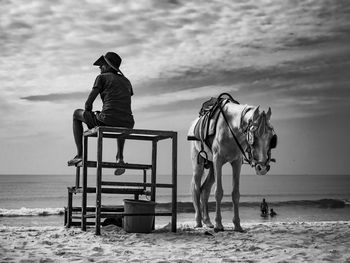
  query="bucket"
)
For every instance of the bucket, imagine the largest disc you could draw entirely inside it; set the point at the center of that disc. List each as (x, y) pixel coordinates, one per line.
(138, 223)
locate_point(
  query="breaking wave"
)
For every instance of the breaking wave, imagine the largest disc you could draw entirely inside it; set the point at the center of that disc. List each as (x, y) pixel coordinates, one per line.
(31, 212)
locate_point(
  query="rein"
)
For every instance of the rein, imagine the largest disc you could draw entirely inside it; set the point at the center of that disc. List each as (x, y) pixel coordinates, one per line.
(235, 138)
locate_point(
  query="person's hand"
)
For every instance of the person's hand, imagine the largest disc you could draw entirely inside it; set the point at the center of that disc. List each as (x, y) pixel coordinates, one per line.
(88, 107)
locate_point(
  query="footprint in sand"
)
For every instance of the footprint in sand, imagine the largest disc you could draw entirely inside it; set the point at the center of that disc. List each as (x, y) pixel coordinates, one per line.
(98, 249)
(46, 260)
(46, 242)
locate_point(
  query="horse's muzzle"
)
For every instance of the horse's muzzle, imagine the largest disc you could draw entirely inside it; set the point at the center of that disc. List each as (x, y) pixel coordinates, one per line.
(261, 169)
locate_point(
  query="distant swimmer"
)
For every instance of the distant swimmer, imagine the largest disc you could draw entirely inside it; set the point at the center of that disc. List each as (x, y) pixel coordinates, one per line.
(264, 208)
(272, 213)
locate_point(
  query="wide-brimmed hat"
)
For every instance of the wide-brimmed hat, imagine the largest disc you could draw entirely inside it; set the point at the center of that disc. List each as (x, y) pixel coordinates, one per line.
(111, 58)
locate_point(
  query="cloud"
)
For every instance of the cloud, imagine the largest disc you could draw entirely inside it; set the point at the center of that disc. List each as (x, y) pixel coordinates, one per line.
(177, 97)
(166, 35)
(171, 47)
(57, 97)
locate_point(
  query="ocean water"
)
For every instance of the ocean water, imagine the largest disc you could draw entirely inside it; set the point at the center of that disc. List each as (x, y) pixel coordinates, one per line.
(39, 199)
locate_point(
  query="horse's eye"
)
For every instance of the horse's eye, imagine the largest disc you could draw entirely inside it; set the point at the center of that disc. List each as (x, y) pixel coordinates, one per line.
(273, 141)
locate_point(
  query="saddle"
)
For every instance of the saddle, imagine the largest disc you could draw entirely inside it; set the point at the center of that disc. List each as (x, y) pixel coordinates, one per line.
(208, 117)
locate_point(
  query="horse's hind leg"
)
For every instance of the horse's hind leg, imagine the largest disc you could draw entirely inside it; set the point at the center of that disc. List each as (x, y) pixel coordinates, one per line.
(205, 194)
(198, 169)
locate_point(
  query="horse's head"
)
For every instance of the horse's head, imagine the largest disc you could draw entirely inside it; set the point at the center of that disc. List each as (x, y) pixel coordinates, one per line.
(261, 139)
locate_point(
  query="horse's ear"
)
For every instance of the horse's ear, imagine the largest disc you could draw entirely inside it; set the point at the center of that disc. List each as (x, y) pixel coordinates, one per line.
(268, 114)
(256, 113)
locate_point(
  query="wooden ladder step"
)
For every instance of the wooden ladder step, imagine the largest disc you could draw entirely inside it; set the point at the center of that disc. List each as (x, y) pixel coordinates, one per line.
(123, 190)
(135, 214)
(104, 208)
(130, 166)
(136, 184)
(111, 190)
(117, 215)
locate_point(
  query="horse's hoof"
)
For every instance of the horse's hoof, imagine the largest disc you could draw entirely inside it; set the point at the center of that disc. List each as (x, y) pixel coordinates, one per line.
(239, 229)
(199, 225)
(218, 229)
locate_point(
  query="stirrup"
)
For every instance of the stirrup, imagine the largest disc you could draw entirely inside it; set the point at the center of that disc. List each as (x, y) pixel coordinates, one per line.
(207, 163)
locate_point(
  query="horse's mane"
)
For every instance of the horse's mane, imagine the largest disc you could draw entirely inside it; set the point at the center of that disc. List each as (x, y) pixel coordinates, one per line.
(243, 110)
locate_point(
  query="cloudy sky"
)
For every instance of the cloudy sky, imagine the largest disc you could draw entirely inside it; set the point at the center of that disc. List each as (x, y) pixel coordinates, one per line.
(293, 56)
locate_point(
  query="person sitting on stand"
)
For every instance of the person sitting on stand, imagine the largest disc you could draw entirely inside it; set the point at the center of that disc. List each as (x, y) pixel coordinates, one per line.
(115, 91)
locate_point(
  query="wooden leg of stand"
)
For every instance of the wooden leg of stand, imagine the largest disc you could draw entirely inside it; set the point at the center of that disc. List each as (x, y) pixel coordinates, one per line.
(77, 177)
(84, 194)
(98, 183)
(68, 213)
(174, 183)
(154, 174)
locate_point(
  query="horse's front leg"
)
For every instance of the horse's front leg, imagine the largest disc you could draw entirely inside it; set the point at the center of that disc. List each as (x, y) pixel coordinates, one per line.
(219, 192)
(236, 172)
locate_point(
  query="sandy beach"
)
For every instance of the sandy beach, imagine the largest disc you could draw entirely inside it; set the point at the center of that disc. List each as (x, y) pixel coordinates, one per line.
(262, 242)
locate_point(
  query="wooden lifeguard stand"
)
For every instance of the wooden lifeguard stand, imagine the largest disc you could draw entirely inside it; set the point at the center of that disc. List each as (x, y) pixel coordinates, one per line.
(113, 187)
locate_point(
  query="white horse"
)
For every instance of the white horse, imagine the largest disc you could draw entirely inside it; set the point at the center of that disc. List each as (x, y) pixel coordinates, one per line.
(255, 135)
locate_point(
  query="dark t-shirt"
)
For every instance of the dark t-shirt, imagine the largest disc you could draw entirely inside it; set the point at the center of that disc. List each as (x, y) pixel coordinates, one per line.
(115, 91)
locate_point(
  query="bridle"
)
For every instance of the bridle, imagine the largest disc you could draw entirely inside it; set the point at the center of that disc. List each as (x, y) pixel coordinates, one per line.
(250, 138)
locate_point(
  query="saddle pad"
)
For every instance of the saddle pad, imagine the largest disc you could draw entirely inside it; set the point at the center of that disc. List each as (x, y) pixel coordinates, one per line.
(201, 128)
(204, 126)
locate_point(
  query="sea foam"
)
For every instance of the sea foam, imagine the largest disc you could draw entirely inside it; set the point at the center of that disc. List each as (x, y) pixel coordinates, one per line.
(24, 211)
